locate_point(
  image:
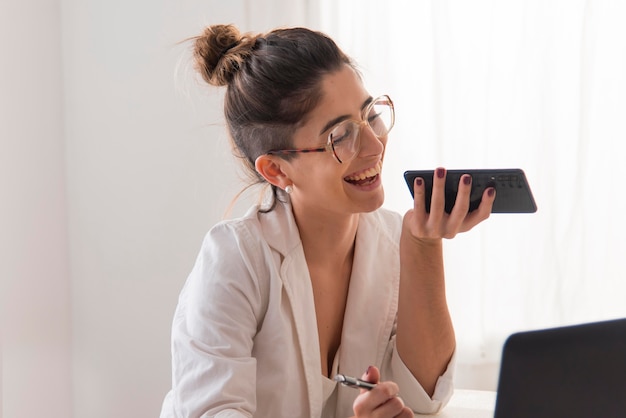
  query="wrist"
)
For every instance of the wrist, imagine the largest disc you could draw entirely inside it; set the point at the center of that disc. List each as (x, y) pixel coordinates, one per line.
(412, 243)
(421, 261)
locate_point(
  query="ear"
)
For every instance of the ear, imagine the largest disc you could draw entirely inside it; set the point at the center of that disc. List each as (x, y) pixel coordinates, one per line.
(272, 170)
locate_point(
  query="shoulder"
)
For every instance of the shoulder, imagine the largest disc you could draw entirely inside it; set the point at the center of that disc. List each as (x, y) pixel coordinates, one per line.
(249, 248)
(234, 261)
(234, 232)
(255, 232)
(235, 241)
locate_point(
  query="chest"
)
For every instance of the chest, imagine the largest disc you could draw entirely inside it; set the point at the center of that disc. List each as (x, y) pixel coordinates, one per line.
(330, 293)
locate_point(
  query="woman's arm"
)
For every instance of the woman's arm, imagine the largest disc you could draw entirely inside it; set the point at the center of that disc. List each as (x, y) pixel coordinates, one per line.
(425, 335)
(213, 330)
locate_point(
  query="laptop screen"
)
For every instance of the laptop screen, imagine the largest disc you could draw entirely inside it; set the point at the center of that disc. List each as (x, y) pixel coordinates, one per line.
(573, 371)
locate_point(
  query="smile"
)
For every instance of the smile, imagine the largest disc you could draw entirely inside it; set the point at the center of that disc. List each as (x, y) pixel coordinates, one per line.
(366, 176)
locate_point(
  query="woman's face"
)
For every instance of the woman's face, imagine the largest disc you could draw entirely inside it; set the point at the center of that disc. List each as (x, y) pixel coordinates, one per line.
(320, 183)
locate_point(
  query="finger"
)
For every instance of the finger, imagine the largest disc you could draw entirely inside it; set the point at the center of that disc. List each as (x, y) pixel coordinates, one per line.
(372, 374)
(406, 413)
(461, 206)
(438, 197)
(393, 407)
(482, 212)
(462, 201)
(419, 200)
(383, 393)
(372, 400)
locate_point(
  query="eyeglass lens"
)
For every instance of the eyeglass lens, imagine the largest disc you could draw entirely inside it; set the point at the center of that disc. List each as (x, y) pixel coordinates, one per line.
(345, 136)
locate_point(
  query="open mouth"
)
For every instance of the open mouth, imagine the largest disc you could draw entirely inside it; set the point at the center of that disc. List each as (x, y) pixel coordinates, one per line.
(365, 177)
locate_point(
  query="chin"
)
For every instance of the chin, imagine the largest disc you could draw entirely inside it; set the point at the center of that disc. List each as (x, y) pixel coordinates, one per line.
(374, 202)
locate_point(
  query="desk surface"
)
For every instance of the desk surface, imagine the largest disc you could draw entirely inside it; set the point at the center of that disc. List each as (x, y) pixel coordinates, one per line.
(469, 404)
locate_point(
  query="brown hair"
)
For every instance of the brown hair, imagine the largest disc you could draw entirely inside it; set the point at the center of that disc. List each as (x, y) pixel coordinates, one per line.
(273, 82)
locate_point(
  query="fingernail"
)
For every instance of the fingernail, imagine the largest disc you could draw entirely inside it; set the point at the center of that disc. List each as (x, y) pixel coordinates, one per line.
(441, 172)
(418, 181)
(491, 192)
(368, 370)
(467, 179)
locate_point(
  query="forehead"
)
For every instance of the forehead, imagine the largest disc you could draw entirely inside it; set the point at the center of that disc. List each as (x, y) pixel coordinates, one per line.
(343, 96)
(343, 93)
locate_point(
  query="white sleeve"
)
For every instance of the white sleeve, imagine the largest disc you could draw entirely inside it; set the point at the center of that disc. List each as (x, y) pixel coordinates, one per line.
(213, 371)
(412, 393)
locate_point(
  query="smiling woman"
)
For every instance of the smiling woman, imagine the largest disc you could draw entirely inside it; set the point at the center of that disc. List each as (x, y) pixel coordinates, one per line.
(273, 307)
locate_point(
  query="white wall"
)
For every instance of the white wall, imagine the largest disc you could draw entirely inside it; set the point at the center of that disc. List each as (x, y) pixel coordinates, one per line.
(35, 291)
(114, 164)
(149, 171)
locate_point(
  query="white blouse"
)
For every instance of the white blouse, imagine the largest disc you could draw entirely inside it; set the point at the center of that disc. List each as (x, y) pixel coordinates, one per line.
(244, 334)
(330, 391)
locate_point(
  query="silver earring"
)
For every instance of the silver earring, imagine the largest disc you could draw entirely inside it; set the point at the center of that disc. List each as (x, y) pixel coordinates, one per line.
(288, 189)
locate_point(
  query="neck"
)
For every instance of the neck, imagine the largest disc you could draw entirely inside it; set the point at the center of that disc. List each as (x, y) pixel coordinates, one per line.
(330, 238)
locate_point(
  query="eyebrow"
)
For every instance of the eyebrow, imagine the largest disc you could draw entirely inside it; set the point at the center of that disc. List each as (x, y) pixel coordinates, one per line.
(341, 118)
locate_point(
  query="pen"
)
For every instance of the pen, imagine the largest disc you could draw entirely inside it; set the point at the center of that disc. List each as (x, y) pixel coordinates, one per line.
(354, 382)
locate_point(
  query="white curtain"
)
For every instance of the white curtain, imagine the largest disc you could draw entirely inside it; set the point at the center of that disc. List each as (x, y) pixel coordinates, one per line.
(534, 84)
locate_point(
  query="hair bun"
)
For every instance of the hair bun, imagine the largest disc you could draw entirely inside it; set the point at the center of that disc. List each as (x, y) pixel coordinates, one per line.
(219, 53)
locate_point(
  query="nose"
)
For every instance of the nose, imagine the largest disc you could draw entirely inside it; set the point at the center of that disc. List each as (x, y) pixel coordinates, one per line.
(370, 143)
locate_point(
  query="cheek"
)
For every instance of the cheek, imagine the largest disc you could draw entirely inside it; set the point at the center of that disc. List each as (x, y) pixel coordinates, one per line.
(321, 178)
(328, 179)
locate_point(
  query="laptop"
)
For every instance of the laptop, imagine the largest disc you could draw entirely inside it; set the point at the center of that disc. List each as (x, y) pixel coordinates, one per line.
(572, 371)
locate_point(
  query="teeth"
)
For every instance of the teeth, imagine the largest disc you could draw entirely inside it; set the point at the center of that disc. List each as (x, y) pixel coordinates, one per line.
(371, 172)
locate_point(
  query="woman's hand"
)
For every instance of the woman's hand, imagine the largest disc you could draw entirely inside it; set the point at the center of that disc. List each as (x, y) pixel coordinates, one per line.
(382, 401)
(439, 224)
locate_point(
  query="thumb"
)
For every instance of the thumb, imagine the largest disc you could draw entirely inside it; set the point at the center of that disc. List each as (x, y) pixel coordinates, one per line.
(372, 375)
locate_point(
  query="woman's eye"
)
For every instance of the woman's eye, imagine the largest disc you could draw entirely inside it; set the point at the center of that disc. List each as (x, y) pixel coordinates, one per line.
(373, 117)
(340, 134)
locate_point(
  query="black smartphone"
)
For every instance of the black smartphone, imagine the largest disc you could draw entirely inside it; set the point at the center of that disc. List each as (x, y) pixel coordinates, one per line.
(513, 194)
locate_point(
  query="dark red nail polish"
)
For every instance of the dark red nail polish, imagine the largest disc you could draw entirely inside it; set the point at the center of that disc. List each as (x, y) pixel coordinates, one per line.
(467, 179)
(418, 181)
(491, 192)
(441, 172)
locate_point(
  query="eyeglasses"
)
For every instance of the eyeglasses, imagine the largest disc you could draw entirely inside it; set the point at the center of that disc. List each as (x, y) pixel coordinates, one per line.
(344, 140)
